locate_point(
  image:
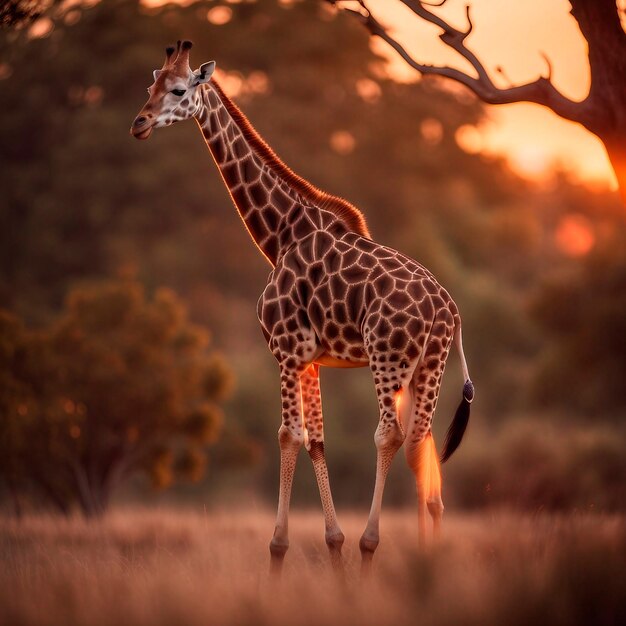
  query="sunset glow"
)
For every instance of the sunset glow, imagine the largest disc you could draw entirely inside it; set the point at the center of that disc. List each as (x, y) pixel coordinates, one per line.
(398, 401)
(429, 470)
(219, 15)
(574, 236)
(342, 142)
(470, 139)
(513, 37)
(239, 238)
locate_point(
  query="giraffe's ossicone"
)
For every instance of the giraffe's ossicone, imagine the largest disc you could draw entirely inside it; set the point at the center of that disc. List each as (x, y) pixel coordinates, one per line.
(334, 298)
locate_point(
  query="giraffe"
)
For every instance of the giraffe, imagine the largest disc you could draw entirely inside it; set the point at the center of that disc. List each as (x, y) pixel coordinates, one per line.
(334, 298)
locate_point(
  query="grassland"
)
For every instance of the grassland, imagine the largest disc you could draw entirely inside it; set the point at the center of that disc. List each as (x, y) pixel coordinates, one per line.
(178, 568)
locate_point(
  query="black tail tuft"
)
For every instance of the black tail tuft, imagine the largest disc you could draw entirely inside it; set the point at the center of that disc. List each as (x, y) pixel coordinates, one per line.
(455, 433)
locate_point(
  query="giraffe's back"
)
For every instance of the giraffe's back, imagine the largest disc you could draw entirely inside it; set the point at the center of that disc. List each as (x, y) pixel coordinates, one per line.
(359, 298)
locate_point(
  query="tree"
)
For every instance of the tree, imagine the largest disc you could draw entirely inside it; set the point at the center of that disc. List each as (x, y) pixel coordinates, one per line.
(117, 384)
(82, 201)
(15, 13)
(14, 394)
(602, 112)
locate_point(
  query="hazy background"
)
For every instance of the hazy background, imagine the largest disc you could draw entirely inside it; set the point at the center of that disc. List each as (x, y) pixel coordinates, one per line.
(537, 267)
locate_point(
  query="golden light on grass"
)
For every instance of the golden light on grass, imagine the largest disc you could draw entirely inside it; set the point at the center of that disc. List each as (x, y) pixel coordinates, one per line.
(186, 567)
(574, 235)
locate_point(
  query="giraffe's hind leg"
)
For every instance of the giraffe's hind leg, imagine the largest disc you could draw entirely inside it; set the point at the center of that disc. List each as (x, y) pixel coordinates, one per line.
(394, 394)
(314, 441)
(420, 450)
(423, 460)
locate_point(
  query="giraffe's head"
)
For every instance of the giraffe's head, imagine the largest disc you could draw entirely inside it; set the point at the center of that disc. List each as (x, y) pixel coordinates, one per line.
(175, 93)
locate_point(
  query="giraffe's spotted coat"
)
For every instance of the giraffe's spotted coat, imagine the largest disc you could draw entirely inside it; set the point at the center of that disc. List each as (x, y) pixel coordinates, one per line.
(334, 297)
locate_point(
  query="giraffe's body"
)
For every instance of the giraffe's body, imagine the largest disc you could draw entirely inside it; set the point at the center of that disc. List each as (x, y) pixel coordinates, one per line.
(345, 301)
(334, 298)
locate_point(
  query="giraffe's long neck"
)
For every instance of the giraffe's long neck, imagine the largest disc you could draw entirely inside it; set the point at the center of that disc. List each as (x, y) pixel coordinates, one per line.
(277, 207)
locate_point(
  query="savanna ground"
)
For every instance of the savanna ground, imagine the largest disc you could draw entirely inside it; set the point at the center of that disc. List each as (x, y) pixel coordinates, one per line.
(140, 566)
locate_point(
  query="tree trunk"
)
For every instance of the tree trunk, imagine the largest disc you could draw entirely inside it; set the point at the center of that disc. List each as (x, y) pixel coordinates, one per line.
(600, 25)
(616, 150)
(94, 491)
(61, 504)
(84, 491)
(97, 503)
(15, 498)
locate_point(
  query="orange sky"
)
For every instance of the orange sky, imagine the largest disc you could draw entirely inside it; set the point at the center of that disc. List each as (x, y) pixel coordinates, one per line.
(513, 34)
(510, 34)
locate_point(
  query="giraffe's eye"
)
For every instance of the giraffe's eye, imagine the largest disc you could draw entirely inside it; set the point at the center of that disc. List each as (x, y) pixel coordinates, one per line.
(178, 92)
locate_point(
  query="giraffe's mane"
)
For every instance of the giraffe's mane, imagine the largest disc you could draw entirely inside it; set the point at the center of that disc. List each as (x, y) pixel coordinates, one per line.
(353, 219)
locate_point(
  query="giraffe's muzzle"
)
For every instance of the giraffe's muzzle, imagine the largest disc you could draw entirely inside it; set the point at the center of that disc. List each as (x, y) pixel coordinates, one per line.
(141, 128)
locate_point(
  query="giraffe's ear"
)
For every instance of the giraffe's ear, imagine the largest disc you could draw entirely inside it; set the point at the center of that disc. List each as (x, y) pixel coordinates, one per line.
(204, 73)
(156, 74)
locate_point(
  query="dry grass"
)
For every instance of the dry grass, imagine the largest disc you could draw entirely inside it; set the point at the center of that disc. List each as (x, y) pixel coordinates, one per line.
(181, 567)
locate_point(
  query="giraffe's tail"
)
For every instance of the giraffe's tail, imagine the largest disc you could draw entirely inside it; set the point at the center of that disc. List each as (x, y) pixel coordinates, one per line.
(459, 423)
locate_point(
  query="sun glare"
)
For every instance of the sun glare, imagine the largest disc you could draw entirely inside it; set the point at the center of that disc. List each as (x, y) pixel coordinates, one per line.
(398, 401)
(531, 138)
(219, 15)
(342, 142)
(469, 139)
(368, 90)
(574, 236)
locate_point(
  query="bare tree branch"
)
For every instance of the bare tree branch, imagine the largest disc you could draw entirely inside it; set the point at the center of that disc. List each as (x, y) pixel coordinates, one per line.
(540, 91)
(549, 64)
(602, 112)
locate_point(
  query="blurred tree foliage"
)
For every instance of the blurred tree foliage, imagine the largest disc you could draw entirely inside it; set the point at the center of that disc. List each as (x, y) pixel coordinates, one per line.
(82, 200)
(115, 385)
(584, 311)
(534, 465)
(18, 13)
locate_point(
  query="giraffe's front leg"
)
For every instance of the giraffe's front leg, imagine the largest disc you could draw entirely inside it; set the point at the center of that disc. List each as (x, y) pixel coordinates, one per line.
(312, 403)
(290, 439)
